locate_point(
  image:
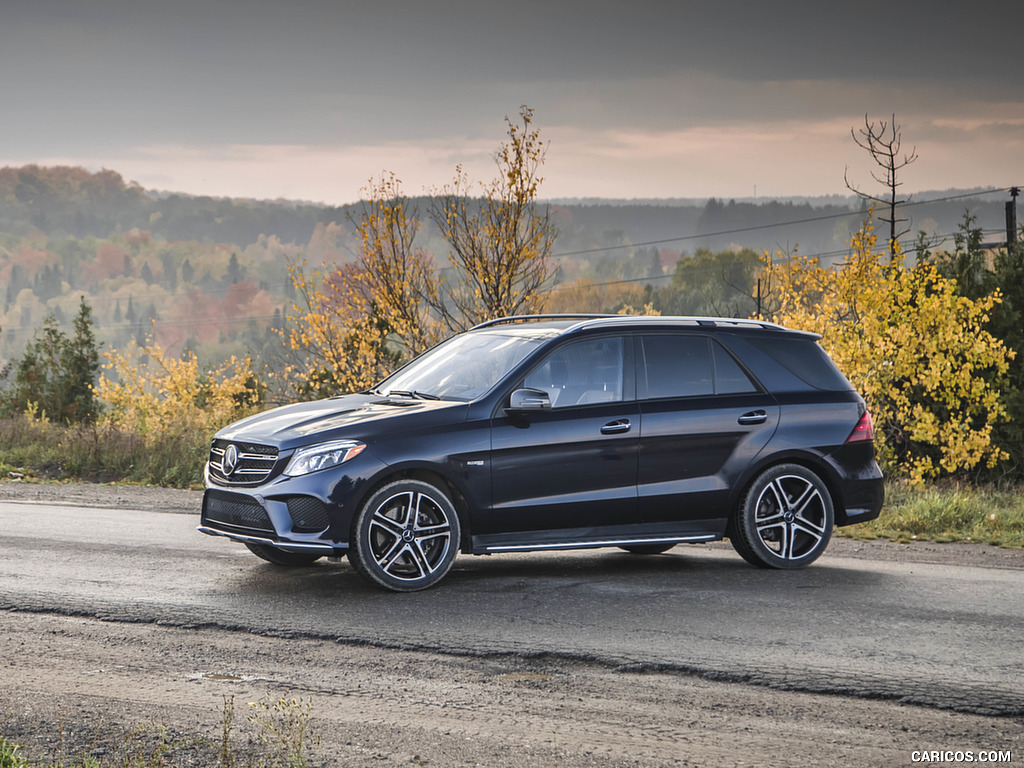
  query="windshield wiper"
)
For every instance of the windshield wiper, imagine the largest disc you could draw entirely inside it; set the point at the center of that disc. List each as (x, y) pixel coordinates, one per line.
(415, 394)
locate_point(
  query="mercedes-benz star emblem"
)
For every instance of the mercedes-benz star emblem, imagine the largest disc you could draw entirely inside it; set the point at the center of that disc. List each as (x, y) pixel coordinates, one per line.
(230, 462)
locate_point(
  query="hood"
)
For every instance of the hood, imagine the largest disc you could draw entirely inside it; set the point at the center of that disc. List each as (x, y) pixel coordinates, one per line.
(358, 416)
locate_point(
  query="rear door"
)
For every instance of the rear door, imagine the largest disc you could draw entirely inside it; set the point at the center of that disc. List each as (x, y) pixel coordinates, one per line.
(702, 421)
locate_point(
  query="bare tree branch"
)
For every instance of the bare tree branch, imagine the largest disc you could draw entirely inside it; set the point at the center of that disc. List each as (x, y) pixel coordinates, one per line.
(883, 141)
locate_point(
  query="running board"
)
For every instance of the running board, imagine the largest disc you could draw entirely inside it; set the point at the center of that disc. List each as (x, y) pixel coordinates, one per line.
(596, 543)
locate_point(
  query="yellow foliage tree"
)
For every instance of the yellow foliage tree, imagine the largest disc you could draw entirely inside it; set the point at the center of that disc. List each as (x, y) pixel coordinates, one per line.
(498, 243)
(395, 280)
(915, 349)
(155, 396)
(354, 323)
(337, 341)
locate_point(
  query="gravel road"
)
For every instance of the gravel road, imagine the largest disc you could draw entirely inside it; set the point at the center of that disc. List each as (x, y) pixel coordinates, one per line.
(72, 684)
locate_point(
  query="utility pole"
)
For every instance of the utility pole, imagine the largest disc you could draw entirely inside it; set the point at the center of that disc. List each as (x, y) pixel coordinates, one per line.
(1011, 225)
(1011, 218)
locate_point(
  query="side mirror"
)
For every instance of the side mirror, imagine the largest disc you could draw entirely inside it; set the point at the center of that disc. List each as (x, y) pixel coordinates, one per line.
(529, 400)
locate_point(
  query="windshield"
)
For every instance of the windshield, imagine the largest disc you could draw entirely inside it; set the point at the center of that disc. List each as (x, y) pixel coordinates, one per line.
(464, 367)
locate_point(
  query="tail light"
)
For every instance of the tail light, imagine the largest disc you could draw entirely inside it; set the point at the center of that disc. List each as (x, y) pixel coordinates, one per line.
(864, 432)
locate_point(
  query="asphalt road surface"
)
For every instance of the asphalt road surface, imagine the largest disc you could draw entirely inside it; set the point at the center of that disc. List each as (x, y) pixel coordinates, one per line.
(942, 636)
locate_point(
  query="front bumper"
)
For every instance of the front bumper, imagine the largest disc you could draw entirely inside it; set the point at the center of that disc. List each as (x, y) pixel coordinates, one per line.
(287, 546)
(293, 522)
(308, 513)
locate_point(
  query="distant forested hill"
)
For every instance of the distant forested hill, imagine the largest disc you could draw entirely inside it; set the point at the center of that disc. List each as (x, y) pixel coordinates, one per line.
(74, 202)
(212, 273)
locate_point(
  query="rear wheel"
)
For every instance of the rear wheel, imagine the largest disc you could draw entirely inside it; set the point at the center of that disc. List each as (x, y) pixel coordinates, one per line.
(282, 557)
(406, 536)
(785, 519)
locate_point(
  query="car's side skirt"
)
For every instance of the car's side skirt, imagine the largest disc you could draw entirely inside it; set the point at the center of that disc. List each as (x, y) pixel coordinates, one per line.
(589, 538)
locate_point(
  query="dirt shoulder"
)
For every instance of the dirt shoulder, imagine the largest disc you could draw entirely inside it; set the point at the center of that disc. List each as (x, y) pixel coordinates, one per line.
(73, 686)
(110, 496)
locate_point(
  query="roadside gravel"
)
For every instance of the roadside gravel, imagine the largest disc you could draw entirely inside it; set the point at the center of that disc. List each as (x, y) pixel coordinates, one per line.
(109, 496)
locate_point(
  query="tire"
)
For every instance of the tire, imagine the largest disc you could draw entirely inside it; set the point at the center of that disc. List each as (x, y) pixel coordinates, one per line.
(647, 549)
(785, 518)
(282, 557)
(405, 536)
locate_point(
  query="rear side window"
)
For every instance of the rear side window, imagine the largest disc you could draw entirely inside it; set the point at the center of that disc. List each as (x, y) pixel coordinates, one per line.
(804, 359)
(677, 366)
(688, 366)
(729, 377)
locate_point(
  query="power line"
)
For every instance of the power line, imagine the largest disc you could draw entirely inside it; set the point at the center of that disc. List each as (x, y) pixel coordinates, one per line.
(932, 242)
(740, 230)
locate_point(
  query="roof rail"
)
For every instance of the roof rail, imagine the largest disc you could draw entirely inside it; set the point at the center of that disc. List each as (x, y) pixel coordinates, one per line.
(530, 318)
(700, 320)
(595, 319)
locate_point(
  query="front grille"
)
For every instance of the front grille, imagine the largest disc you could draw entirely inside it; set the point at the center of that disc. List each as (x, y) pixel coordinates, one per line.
(309, 514)
(236, 510)
(253, 462)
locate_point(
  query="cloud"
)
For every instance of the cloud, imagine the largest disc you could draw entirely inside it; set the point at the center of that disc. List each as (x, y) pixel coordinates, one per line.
(722, 158)
(644, 99)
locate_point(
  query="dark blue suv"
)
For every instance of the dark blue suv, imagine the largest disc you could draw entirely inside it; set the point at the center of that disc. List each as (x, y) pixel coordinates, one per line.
(558, 432)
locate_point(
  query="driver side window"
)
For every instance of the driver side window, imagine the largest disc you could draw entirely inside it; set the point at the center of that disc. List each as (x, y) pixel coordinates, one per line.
(581, 373)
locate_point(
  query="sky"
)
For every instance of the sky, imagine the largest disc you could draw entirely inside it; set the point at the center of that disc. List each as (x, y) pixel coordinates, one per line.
(309, 99)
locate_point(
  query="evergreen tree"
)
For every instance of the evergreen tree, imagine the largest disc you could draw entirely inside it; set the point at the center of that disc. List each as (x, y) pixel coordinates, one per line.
(235, 273)
(977, 276)
(56, 374)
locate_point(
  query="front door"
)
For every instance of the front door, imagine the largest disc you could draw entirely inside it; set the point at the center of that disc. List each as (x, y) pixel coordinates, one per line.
(569, 471)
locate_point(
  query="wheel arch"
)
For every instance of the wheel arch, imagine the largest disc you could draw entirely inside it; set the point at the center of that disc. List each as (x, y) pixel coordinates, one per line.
(814, 462)
(427, 475)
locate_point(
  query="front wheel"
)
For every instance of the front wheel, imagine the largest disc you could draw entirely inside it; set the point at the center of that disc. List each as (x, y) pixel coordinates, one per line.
(785, 518)
(280, 556)
(405, 536)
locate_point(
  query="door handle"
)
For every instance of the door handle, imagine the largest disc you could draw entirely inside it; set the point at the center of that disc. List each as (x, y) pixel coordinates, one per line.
(753, 417)
(616, 427)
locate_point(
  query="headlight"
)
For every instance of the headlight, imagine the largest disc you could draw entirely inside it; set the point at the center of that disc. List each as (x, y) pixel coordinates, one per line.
(322, 456)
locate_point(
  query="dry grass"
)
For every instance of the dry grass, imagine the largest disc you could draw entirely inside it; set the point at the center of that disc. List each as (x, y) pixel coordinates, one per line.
(100, 454)
(947, 512)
